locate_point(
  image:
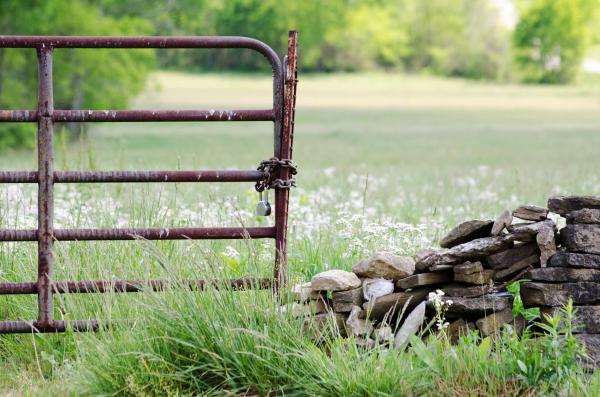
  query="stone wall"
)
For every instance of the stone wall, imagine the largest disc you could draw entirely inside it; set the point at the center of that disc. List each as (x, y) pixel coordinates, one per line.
(386, 298)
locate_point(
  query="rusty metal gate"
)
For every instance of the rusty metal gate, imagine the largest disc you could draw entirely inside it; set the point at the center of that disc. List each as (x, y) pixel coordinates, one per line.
(275, 173)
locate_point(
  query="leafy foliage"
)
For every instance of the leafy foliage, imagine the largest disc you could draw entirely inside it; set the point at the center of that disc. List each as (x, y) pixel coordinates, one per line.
(82, 78)
(551, 39)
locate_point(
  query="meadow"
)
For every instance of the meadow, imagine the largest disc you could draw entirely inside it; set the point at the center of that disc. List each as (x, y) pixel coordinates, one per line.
(387, 162)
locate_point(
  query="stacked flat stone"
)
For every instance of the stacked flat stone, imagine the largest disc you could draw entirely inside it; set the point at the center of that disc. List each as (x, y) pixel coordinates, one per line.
(574, 271)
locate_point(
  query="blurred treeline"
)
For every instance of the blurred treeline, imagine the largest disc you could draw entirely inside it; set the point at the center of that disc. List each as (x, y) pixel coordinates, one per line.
(462, 38)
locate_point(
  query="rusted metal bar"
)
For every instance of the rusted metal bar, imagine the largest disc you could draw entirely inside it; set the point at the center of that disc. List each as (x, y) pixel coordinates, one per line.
(27, 327)
(24, 116)
(45, 187)
(285, 152)
(180, 233)
(102, 286)
(134, 176)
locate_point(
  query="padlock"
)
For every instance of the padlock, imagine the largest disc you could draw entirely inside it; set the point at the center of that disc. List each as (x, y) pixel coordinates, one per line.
(263, 208)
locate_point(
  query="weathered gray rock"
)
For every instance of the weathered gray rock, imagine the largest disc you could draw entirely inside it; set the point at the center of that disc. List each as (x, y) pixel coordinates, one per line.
(422, 279)
(586, 215)
(389, 305)
(374, 288)
(505, 259)
(303, 292)
(344, 301)
(478, 306)
(517, 267)
(591, 342)
(539, 294)
(441, 268)
(411, 325)
(501, 223)
(563, 274)
(571, 259)
(531, 228)
(458, 329)
(467, 290)
(309, 308)
(581, 238)
(546, 244)
(585, 321)
(326, 325)
(467, 231)
(383, 333)
(531, 213)
(335, 280)
(492, 323)
(424, 253)
(385, 265)
(479, 278)
(357, 325)
(468, 268)
(475, 249)
(564, 204)
(365, 343)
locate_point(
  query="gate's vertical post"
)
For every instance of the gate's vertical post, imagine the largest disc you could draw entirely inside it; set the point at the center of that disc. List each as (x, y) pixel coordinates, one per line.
(285, 153)
(45, 187)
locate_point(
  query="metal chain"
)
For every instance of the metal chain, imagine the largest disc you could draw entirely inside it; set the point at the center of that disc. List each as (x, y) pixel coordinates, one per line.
(269, 168)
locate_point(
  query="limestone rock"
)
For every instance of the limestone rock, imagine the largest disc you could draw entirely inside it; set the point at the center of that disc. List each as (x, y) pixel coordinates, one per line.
(586, 215)
(422, 279)
(383, 333)
(571, 259)
(563, 274)
(310, 308)
(546, 244)
(531, 228)
(411, 325)
(385, 265)
(591, 342)
(391, 304)
(475, 249)
(458, 329)
(492, 323)
(441, 268)
(585, 321)
(356, 323)
(335, 280)
(564, 204)
(531, 213)
(501, 223)
(424, 253)
(582, 238)
(365, 343)
(374, 288)
(344, 301)
(505, 259)
(479, 278)
(326, 325)
(468, 268)
(467, 290)
(467, 231)
(539, 294)
(516, 267)
(302, 292)
(478, 306)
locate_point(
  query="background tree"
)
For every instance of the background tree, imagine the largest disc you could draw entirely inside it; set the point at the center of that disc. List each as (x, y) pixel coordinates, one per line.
(551, 39)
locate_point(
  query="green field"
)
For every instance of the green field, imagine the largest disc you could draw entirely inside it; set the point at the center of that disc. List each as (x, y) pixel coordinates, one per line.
(387, 162)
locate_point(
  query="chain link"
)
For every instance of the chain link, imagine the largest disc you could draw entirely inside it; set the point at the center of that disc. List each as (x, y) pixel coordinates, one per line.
(269, 169)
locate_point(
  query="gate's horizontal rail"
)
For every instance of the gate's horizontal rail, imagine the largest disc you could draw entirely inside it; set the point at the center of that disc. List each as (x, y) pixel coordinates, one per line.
(134, 176)
(27, 327)
(30, 116)
(102, 286)
(208, 233)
